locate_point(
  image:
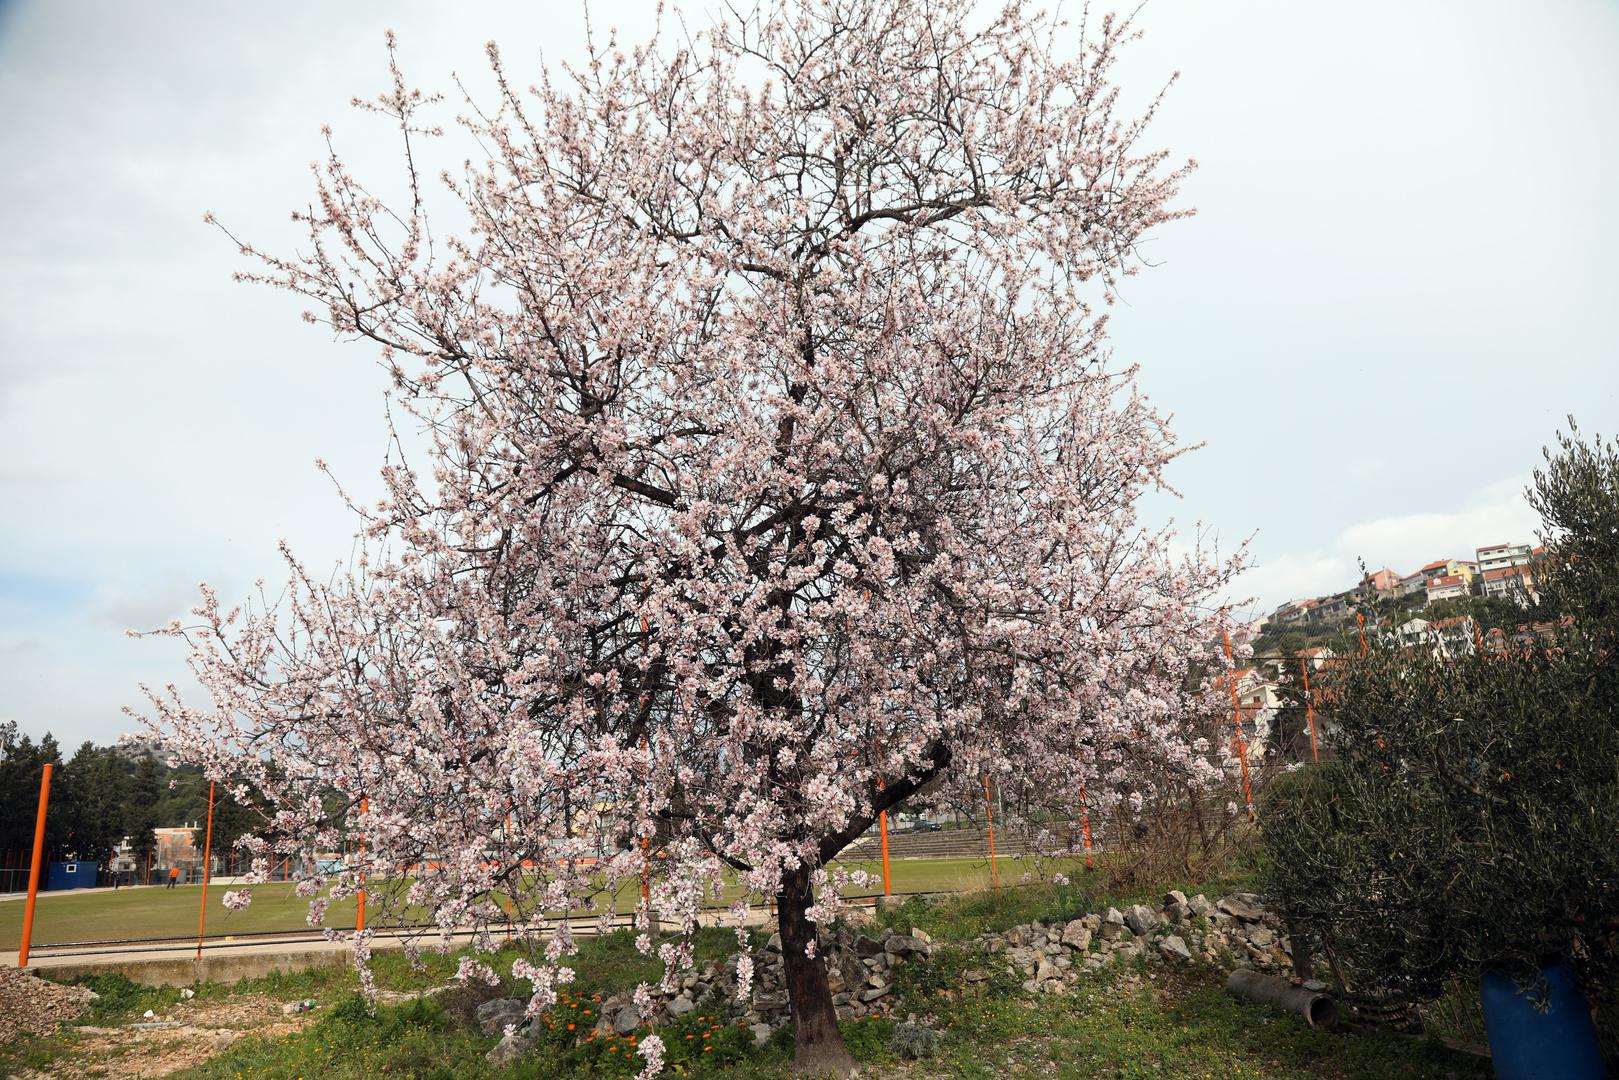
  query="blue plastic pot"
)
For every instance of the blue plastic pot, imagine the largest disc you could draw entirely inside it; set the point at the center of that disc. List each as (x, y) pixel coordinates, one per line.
(1540, 1033)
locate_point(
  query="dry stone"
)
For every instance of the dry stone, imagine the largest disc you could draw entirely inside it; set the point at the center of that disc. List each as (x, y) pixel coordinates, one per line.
(1244, 906)
(494, 1016)
(905, 945)
(510, 1048)
(1140, 918)
(1173, 948)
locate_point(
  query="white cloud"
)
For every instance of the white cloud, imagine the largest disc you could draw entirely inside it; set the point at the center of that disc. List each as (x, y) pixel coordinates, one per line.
(1496, 514)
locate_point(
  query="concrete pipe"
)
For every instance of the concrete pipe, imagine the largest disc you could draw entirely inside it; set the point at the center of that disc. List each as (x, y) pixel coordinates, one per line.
(1318, 1010)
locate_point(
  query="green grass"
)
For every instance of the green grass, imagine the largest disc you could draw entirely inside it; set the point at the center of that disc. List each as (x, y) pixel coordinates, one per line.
(101, 914)
(413, 1040)
(435, 1038)
(1124, 1025)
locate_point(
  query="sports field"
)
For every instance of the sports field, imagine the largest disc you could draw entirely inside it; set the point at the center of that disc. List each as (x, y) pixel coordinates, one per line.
(104, 914)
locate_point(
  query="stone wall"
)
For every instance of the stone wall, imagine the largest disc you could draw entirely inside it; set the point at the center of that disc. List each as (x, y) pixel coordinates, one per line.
(1050, 958)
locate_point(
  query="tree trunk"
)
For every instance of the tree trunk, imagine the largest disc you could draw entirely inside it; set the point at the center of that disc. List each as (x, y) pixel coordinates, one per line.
(818, 1045)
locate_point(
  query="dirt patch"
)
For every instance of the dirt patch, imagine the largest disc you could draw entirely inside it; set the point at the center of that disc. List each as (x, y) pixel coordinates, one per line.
(201, 1030)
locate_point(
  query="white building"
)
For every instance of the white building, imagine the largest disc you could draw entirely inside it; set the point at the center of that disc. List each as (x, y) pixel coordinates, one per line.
(1257, 704)
(1447, 587)
(1515, 583)
(1456, 636)
(1502, 556)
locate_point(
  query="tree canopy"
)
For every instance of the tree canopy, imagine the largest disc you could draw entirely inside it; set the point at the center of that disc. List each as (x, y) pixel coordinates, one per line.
(778, 470)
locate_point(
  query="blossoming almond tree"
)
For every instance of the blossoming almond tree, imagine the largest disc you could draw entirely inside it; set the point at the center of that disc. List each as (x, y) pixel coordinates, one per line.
(777, 470)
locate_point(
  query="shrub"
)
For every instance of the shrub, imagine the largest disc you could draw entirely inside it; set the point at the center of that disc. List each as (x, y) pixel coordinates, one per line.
(1467, 822)
(867, 1037)
(914, 1041)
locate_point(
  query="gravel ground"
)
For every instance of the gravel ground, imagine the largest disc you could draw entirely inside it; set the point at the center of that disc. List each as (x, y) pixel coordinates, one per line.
(201, 1031)
(34, 1005)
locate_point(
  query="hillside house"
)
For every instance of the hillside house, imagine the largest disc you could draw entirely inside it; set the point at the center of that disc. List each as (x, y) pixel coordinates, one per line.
(1448, 587)
(1503, 556)
(1515, 583)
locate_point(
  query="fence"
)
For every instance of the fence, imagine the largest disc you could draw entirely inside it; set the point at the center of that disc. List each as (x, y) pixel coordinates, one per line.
(14, 871)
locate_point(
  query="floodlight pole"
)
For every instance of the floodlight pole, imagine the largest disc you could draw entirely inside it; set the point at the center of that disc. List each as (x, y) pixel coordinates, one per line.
(33, 871)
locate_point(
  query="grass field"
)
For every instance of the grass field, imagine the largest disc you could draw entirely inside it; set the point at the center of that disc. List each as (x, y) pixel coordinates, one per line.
(105, 914)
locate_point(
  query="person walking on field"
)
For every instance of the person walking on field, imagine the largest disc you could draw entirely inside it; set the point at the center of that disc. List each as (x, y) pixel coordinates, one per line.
(174, 876)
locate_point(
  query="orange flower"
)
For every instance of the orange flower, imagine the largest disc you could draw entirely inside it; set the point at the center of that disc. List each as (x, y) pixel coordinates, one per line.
(570, 1027)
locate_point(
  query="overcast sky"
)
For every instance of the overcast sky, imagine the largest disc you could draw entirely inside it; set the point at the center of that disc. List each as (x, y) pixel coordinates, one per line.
(1402, 277)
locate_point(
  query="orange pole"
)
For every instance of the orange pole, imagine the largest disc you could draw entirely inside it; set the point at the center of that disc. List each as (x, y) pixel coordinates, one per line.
(646, 864)
(33, 869)
(1309, 708)
(989, 812)
(1361, 629)
(882, 824)
(882, 815)
(1085, 822)
(1242, 739)
(359, 911)
(207, 846)
(508, 839)
(646, 841)
(1478, 635)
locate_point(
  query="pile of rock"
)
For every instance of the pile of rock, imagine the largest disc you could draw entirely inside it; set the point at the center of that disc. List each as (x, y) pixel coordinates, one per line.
(859, 970)
(29, 1003)
(1237, 930)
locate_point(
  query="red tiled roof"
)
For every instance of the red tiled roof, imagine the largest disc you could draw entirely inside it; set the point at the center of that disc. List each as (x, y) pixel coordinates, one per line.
(1506, 571)
(1446, 581)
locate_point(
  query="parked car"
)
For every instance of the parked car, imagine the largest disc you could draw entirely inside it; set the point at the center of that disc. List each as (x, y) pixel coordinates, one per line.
(924, 826)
